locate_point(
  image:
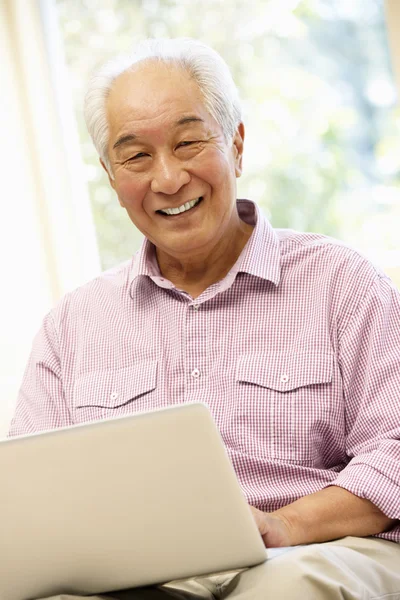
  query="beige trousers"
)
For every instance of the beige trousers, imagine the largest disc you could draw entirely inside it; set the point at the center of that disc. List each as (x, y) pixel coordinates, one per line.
(350, 569)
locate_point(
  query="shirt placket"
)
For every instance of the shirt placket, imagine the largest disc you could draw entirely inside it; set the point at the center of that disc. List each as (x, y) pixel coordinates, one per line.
(196, 345)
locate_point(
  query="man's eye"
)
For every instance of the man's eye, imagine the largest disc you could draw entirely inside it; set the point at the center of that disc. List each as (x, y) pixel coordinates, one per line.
(186, 143)
(138, 155)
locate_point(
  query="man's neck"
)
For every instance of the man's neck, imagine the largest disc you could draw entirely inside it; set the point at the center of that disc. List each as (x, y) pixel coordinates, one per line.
(196, 273)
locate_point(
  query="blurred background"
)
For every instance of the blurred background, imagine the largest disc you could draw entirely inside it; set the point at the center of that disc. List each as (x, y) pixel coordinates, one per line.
(322, 147)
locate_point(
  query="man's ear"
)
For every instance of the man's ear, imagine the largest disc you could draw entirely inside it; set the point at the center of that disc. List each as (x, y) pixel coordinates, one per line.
(238, 142)
(110, 179)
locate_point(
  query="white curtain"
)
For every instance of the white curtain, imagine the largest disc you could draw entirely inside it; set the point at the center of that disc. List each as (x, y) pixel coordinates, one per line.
(392, 9)
(47, 238)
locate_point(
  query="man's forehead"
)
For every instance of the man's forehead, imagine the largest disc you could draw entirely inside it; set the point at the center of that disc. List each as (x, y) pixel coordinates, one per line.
(152, 77)
(155, 94)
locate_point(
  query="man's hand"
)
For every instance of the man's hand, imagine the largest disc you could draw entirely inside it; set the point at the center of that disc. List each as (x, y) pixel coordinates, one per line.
(329, 514)
(273, 530)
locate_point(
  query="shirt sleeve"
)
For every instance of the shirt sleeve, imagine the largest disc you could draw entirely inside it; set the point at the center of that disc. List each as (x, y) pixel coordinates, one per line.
(369, 358)
(41, 402)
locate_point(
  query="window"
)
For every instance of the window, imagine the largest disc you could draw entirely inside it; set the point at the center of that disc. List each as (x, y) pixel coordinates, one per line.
(322, 148)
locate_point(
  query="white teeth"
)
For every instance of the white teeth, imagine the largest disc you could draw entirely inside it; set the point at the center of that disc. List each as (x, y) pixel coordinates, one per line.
(181, 209)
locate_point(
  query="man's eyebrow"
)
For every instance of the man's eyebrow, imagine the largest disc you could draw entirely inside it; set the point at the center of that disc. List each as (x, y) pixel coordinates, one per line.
(125, 139)
(130, 137)
(190, 119)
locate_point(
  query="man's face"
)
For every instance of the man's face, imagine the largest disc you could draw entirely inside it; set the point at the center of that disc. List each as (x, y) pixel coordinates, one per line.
(167, 152)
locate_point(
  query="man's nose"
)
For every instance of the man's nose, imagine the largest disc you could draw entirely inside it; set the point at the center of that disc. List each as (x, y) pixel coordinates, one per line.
(168, 176)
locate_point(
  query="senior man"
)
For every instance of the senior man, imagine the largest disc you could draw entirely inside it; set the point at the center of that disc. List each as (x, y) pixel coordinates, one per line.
(292, 339)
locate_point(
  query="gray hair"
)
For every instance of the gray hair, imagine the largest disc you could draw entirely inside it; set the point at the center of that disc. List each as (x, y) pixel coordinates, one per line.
(201, 62)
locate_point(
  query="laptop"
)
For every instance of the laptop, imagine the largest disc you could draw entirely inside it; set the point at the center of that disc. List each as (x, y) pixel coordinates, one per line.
(121, 503)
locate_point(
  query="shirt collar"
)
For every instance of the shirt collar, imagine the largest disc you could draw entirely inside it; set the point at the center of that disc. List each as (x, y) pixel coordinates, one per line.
(260, 256)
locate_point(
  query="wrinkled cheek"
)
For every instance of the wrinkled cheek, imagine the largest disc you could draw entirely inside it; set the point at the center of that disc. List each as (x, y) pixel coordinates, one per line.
(130, 192)
(217, 172)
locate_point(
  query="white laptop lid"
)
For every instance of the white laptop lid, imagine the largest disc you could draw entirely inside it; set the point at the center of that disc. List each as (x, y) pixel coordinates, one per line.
(121, 503)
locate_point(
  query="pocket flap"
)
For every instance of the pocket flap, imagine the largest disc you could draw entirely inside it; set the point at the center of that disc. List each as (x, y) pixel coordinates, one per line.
(114, 388)
(285, 371)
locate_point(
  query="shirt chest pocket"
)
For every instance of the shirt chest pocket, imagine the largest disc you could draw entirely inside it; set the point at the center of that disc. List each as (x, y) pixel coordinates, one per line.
(114, 393)
(283, 405)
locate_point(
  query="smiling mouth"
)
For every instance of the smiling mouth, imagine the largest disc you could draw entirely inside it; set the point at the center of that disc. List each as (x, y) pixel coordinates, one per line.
(173, 212)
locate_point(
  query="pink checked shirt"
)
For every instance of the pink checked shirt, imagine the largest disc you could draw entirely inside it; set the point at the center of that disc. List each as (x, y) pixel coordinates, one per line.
(296, 352)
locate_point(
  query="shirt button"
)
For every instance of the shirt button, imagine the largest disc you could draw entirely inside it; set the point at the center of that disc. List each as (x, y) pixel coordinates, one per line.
(113, 396)
(284, 378)
(195, 307)
(195, 373)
